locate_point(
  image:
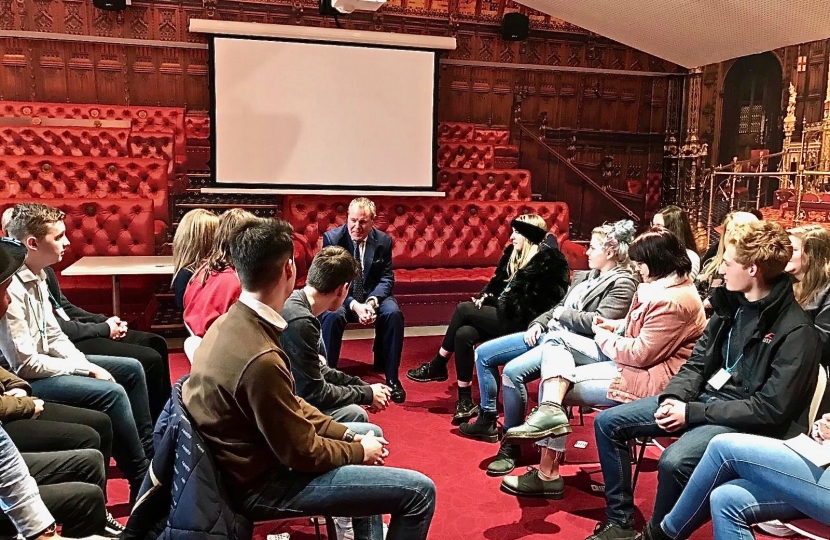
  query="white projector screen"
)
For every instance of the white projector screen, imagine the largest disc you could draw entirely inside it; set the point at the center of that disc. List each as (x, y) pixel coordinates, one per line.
(299, 114)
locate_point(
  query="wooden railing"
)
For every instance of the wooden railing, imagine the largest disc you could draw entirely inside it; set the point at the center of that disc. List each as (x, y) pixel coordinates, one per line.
(556, 178)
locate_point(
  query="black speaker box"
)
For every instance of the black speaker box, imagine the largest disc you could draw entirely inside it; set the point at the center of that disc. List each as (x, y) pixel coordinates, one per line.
(110, 5)
(514, 27)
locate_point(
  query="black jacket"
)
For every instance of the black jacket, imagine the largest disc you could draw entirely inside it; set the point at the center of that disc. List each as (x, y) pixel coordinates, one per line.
(81, 324)
(324, 387)
(535, 289)
(779, 367)
(819, 311)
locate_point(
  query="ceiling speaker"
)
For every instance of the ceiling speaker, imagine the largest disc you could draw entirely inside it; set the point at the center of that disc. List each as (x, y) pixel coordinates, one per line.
(515, 27)
(110, 5)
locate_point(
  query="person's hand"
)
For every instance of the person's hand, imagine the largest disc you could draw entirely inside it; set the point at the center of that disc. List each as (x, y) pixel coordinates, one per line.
(115, 327)
(122, 329)
(607, 325)
(671, 415)
(365, 314)
(100, 373)
(533, 334)
(821, 429)
(15, 392)
(380, 396)
(374, 448)
(478, 302)
(38, 407)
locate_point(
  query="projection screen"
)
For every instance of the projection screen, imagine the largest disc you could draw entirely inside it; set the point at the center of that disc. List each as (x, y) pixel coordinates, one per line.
(306, 114)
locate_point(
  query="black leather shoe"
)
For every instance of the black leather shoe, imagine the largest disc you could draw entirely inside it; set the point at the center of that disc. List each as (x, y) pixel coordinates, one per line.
(429, 371)
(465, 409)
(398, 394)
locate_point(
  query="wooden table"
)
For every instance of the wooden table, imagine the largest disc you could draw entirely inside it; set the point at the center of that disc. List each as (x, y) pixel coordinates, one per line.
(115, 267)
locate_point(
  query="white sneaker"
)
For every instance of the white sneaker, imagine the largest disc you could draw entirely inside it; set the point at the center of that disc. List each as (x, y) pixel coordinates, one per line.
(345, 531)
(775, 528)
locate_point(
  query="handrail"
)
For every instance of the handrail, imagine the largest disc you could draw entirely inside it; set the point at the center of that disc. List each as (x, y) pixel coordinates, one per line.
(584, 177)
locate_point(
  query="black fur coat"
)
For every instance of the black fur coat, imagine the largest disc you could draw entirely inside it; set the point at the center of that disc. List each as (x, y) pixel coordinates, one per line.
(536, 288)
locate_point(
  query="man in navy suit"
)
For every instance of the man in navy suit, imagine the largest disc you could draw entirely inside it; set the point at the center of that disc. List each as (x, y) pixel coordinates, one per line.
(370, 299)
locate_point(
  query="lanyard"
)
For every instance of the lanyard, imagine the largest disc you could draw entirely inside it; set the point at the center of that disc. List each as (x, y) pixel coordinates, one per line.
(729, 348)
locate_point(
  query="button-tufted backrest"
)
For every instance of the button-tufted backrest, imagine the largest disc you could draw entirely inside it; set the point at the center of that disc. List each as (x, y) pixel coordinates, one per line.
(142, 118)
(197, 125)
(158, 144)
(53, 177)
(497, 137)
(429, 232)
(456, 132)
(68, 141)
(485, 185)
(95, 227)
(654, 191)
(465, 156)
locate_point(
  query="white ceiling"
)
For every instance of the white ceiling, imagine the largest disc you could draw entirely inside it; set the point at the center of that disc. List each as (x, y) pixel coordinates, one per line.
(694, 33)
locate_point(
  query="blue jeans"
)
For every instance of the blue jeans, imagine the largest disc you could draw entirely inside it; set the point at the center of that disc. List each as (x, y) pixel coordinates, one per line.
(745, 479)
(489, 356)
(124, 401)
(613, 429)
(355, 491)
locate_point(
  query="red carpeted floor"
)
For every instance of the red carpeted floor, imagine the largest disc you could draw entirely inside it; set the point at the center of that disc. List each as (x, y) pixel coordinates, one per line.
(470, 504)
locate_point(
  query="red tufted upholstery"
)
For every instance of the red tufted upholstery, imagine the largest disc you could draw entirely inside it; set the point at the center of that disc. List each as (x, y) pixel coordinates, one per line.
(154, 144)
(65, 178)
(465, 156)
(142, 118)
(486, 185)
(197, 126)
(69, 141)
(455, 132)
(654, 191)
(497, 137)
(443, 250)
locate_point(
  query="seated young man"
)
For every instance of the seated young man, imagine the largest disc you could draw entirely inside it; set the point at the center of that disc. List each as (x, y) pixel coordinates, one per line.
(74, 480)
(753, 371)
(333, 392)
(279, 455)
(40, 352)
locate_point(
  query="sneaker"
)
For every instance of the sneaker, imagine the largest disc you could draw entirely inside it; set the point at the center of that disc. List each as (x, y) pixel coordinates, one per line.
(465, 409)
(612, 531)
(652, 532)
(505, 460)
(531, 485)
(485, 428)
(112, 529)
(547, 420)
(430, 371)
(775, 528)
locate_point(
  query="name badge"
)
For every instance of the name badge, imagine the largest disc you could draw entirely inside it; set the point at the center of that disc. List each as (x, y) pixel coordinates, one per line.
(62, 313)
(719, 379)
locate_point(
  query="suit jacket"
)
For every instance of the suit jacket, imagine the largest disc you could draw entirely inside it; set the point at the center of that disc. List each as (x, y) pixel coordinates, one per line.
(378, 277)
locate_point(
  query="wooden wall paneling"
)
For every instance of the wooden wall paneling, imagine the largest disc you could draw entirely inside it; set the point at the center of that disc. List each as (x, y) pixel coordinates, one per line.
(568, 99)
(591, 102)
(458, 91)
(659, 95)
(171, 77)
(80, 72)
(196, 80)
(142, 75)
(16, 71)
(50, 76)
(548, 96)
(111, 75)
(481, 95)
(502, 98)
(609, 102)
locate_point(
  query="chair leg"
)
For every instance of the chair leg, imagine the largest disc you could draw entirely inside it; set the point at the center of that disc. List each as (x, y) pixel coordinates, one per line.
(331, 531)
(316, 522)
(639, 461)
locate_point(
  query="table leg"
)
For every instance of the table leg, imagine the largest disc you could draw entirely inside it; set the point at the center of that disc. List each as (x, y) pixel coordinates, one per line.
(116, 296)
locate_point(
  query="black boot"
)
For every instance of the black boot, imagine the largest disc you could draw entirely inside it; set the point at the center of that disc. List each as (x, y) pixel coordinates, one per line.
(653, 532)
(505, 460)
(465, 409)
(485, 428)
(434, 370)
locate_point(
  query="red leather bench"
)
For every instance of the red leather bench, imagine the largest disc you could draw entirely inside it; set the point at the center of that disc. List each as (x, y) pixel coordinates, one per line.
(69, 141)
(114, 227)
(142, 118)
(485, 185)
(443, 251)
(497, 137)
(456, 132)
(51, 177)
(465, 156)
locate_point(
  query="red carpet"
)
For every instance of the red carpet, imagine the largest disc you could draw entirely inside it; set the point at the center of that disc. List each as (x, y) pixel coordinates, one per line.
(470, 504)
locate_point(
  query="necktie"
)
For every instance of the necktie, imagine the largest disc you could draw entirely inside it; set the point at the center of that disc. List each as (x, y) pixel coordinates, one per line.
(358, 293)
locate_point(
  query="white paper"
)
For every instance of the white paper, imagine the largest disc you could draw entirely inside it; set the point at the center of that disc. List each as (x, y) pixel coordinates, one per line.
(814, 452)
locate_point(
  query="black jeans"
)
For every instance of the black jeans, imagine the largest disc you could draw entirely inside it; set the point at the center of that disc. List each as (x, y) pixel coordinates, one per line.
(62, 427)
(71, 486)
(151, 351)
(470, 326)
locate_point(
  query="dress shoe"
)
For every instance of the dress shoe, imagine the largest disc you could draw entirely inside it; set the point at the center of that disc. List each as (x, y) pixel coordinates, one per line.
(397, 394)
(652, 532)
(547, 420)
(612, 531)
(429, 371)
(531, 485)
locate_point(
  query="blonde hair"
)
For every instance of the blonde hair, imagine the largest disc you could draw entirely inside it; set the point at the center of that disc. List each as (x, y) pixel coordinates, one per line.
(815, 254)
(764, 244)
(193, 239)
(220, 256)
(364, 203)
(520, 258)
(730, 222)
(617, 237)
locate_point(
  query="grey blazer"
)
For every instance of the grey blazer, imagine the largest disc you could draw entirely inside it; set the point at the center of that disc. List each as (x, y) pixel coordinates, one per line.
(610, 299)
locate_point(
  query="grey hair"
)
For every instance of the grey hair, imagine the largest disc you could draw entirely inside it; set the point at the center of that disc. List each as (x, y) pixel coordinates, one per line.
(618, 237)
